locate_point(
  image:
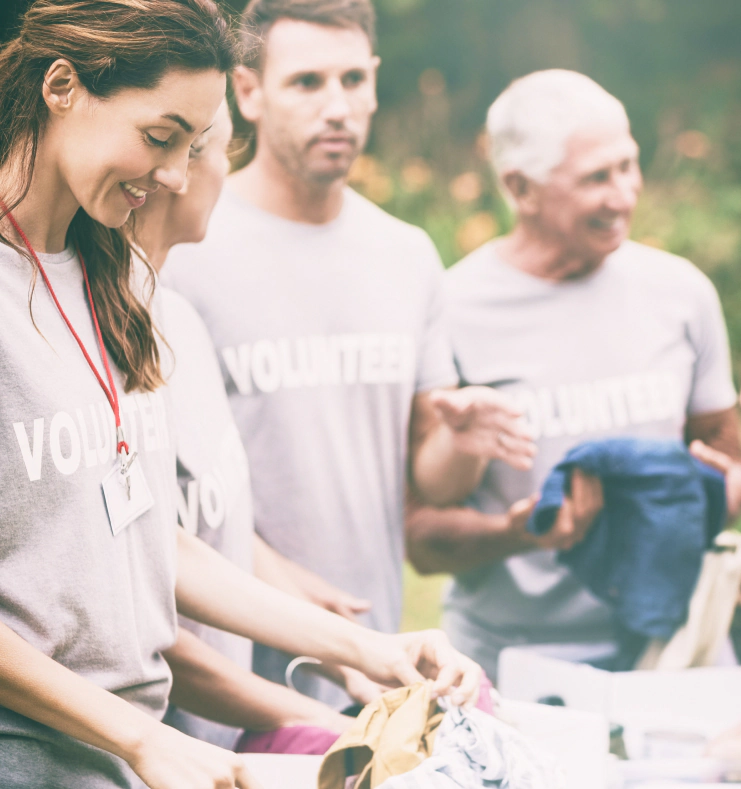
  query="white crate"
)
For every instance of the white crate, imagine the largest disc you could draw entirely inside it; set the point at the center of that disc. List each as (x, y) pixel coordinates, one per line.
(577, 741)
(702, 700)
(278, 771)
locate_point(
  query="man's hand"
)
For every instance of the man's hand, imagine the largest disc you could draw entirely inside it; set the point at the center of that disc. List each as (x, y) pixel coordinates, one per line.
(484, 423)
(577, 513)
(727, 466)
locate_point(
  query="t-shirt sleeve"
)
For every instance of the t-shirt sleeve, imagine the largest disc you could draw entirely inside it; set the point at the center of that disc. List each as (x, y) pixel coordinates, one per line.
(712, 385)
(435, 365)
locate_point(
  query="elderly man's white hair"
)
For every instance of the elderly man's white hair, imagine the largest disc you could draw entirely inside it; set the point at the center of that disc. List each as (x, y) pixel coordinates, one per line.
(532, 120)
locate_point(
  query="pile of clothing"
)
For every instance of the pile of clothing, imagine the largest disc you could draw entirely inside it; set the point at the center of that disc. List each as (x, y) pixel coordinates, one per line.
(406, 740)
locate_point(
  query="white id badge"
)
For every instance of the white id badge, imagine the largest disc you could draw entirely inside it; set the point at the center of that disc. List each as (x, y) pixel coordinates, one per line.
(122, 509)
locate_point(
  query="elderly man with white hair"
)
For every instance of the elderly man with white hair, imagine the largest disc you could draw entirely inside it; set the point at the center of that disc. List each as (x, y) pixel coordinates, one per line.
(592, 335)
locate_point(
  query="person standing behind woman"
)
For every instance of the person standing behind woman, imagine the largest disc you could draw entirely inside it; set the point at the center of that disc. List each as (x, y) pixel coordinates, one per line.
(99, 104)
(212, 674)
(206, 682)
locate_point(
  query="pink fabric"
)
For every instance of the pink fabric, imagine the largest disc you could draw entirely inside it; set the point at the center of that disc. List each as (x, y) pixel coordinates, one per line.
(315, 741)
(310, 740)
(485, 704)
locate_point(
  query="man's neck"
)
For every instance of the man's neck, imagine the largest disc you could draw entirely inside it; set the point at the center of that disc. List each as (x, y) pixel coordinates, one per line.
(46, 211)
(267, 185)
(534, 253)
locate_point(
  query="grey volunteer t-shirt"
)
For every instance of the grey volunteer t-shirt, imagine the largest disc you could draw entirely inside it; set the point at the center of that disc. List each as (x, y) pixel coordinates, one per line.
(632, 349)
(214, 496)
(102, 606)
(324, 333)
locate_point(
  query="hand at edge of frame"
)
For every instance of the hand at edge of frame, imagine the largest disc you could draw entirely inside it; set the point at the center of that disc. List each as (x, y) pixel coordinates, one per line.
(168, 759)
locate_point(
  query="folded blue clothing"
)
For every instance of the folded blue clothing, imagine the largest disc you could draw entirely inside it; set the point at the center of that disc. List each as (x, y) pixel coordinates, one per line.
(643, 554)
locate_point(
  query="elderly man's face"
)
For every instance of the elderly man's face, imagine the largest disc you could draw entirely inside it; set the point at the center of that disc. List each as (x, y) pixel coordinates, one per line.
(587, 203)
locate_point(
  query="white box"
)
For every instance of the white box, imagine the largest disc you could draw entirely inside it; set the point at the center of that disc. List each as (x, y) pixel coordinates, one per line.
(701, 700)
(278, 771)
(578, 742)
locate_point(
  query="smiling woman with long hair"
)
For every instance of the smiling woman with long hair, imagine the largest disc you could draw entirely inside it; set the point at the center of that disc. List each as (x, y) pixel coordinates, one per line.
(100, 101)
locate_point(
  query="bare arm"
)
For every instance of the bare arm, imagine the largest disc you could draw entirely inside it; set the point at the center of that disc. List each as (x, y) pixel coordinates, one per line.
(458, 539)
(36, 686)
(214, 591)
(455, 433)
(210, 685)
(719, 430)
(714, 439)
(282, 573)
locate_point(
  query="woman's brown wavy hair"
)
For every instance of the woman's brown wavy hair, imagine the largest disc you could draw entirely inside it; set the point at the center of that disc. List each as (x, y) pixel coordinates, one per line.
(113, 44)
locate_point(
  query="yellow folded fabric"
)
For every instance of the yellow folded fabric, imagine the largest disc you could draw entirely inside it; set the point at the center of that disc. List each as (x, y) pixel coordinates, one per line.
(391, 736)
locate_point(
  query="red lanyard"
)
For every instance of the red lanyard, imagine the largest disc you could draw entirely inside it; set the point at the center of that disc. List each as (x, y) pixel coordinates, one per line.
(111, 392)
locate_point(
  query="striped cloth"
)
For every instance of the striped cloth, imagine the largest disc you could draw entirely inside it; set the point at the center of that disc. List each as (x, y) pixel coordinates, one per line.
(474, 750)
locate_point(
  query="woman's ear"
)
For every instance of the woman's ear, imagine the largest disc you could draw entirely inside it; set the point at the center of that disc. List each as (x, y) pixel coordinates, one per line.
(62, 87)
(247, 93)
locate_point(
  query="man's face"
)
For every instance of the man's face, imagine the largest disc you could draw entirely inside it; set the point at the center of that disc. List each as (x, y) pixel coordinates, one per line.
(316, 97)
(587, 203)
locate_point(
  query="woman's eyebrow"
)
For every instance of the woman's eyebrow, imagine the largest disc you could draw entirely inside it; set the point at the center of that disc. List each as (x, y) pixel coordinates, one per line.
(180, 121)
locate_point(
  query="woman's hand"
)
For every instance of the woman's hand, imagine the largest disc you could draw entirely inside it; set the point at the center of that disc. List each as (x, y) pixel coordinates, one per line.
(407, 658)
(168, 759)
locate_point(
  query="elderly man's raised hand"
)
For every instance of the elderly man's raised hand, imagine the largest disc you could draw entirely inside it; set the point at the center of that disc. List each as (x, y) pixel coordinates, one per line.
(485, 423)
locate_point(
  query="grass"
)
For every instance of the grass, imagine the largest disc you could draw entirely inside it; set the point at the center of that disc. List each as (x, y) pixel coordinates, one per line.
(422, 597)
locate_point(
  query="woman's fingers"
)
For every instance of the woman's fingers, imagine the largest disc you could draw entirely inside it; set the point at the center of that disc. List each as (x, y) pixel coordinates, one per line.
(448, 677)
(470, 685)
(243, 779)
(453, 673)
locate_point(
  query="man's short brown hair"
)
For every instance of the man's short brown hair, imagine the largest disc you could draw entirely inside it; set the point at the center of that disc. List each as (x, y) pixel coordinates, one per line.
(260, 15)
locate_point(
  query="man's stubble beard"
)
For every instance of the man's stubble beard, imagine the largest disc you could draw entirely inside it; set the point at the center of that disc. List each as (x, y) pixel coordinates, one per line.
(295, 161)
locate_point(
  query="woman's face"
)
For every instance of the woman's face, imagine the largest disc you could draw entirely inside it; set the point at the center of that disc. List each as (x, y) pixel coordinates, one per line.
(112, 153)
(190, 209)
(170, 218)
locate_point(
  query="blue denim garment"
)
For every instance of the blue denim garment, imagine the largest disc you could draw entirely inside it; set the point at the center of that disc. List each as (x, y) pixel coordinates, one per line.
(643, 554)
